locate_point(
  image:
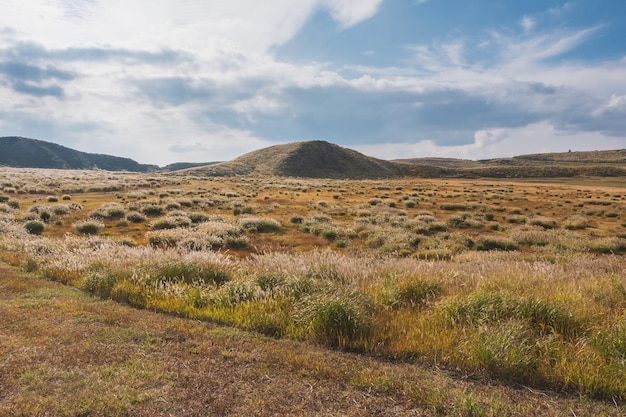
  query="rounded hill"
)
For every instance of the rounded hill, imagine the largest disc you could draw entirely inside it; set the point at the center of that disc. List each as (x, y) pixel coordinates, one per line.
(313, 159)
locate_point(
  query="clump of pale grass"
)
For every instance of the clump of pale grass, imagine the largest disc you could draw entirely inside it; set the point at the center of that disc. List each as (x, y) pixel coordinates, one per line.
(544, 222)
(170, 222)
(205, 236)
(576, 223)
(88, 227)
(259, 224)
(5, 208)
(487, 243)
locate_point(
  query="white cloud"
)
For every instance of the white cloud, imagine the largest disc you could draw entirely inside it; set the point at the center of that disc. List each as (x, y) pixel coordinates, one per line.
(528, 23)
(351, 12)
(498, 143)
(197, 81)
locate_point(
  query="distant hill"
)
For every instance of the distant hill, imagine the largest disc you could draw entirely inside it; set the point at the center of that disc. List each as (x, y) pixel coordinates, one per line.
(320, 159)
(314, 159)
(610, 163)
(31, 153)
(177, 166)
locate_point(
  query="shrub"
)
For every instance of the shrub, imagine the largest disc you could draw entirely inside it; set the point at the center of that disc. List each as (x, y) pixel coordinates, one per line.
(60, 209)
(89, 227)
(136, 217)
(34, 227)
(45, 216)
(545, 222)
(13, 204)
(198, 217)
(576, 223)
(486, 243)
(259, 224)
(108, 211)
(516, 219)
(455, 206)
(170, 222)
(66, 197)
(329, 234)
(51, 199)
(172, 205)
(152, 210)
(296, 219)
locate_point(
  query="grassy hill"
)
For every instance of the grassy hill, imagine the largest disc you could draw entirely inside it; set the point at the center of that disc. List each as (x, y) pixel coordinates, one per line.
(315, 159)
(31, 153)
(610, 163)
(177, 166)
(320, 159)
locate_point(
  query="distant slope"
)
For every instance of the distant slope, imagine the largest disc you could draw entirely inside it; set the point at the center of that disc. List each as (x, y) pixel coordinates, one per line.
(314, 159)
(31, 153)
(177, 166)
(610, 163)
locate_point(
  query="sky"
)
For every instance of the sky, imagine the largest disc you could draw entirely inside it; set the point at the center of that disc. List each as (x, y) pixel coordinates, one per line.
(198, 81)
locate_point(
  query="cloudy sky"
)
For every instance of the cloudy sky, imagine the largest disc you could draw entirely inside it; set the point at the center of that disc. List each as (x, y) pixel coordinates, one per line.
(195, 80)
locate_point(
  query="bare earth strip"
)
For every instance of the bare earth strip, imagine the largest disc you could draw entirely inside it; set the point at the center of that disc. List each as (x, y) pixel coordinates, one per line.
(64, 353)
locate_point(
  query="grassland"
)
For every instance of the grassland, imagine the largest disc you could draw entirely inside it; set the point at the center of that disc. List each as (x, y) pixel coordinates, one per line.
(436, 297)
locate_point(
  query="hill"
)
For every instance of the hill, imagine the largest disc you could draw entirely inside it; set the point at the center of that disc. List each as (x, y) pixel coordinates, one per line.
(31, 153)
(320, 159)
(314, 159)
(610, 163)
(177, 166)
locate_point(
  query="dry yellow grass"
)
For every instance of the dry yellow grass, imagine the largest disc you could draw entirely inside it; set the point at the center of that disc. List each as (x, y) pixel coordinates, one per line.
(502, 282)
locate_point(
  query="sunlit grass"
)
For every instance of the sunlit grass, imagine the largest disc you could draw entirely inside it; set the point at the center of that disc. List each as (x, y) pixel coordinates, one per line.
(537, 301)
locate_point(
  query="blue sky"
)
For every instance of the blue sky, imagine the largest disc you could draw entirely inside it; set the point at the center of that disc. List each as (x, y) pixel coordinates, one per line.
(192, 80)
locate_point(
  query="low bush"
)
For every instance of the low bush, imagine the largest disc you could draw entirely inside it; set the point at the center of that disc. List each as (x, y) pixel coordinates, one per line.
(545, 222)
(152, 210)
(170, 222)
(455, 207)
(487, 243)
(196, 217)
(259, 224)
(136, 217)
(576, 223)
(35, 227)
(88, 227)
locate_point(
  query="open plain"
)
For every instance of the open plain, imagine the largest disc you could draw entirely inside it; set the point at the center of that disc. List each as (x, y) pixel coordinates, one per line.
(267, 295)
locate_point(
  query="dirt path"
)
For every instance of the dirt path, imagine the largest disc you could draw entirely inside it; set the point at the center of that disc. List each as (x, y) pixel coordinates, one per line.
(64, 353)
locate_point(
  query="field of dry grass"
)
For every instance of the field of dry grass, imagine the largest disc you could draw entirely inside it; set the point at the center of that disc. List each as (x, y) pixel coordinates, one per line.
(492, 291)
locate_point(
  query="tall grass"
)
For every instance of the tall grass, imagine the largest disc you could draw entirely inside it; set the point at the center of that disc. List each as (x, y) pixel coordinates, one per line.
(468, 314)
(530, 302)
